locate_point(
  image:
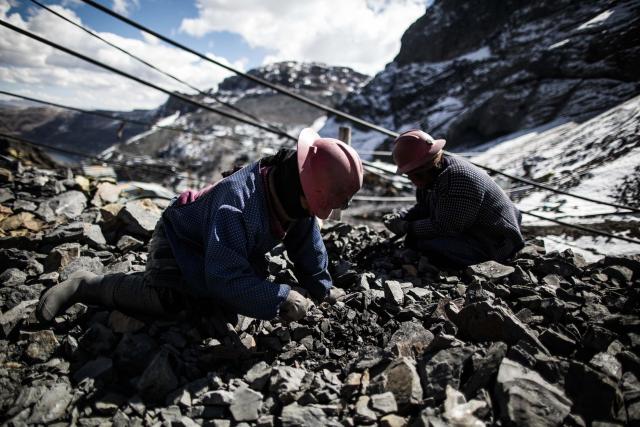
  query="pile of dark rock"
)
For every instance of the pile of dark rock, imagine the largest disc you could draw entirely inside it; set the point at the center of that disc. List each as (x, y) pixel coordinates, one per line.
(545, 340)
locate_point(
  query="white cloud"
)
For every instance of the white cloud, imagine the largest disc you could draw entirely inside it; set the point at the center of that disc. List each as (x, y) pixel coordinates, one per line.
(29, 67)
(363, 34)
(124, 6)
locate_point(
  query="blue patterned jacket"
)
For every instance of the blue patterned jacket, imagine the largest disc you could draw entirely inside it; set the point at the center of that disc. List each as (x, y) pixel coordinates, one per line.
(220, 240)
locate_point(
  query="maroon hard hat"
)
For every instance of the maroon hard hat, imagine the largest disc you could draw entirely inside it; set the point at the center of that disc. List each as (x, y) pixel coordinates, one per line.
(414, 148)
(330, 172)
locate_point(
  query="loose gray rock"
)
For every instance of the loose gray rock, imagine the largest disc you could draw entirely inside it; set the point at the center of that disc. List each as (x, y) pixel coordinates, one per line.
(384, 403)
(483, 321)
(401, 378)
(294, 415)
(393, 293)
(490, 270)
(158, 379)
(246, 404)
(525, 398)
(68, 205)
(52, 406)
(411, 339)
(258, 376)
(13, 277)
(140, 217)
(286, 382)
(42, 345)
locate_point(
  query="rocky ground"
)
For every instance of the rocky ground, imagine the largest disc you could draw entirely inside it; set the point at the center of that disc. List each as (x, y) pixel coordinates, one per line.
(545, 340)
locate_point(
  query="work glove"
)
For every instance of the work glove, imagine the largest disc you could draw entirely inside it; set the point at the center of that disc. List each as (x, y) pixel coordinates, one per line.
(295, 307)
(395, 224)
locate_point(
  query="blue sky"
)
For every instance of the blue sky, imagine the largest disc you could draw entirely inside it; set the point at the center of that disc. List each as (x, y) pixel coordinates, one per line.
(243, 33)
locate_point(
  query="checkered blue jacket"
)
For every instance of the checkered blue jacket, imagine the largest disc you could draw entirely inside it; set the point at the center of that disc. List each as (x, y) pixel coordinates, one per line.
(220, 240)
(465, 200)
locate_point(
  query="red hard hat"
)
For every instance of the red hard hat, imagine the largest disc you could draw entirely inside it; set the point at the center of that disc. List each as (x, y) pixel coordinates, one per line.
(330, 172)
(414, 148)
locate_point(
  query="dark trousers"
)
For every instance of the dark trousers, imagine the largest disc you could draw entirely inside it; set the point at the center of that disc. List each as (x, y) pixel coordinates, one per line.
(450, 251)
(160, 289)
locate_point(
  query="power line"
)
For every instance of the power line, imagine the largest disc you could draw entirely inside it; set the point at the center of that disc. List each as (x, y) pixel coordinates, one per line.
(104, 115)
(255, 79)
(327, 108)
(146, 83)
(142, 61)
(583, 228)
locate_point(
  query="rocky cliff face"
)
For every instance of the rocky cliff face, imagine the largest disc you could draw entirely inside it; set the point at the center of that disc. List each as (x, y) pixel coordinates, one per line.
(217, 141)
(473, 71)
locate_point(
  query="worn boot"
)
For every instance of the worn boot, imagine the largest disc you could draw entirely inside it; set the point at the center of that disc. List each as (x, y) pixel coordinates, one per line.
(63, 295)
(124, 292)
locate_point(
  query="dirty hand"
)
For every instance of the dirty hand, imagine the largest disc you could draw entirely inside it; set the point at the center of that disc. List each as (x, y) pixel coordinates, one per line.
(334, 295)
(396, 225)
(295, 307)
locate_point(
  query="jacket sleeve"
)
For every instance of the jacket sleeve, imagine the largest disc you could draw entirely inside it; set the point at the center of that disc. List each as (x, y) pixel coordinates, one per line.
(306, 250)
(455, 207)
(229, 275)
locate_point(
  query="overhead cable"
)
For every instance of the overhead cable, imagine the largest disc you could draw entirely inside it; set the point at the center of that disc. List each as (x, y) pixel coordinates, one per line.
(327, 108)
(253, 78)
(142, 61)
(583, 228)
(147, 83)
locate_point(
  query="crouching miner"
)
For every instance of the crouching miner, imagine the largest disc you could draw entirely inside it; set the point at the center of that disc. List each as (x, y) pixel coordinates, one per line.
(210, 245)
(462, 217)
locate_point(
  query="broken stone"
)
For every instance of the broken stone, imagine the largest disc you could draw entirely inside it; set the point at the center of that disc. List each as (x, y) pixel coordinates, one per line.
(42, 345)
(524, 398)
(218, 398)
(13, 277)
(286, 382)
(411, 339)
(483, 321)
(246, 404)
(485, 368)
(459, 412)
(393, 293)
(61, 256)
(25, 220)
(10, 319)
(294, 415)
(586, 385)
(384, 403)
(489, 270)
(52, 405)
(158, 378)
(128, 243)
(140, 217)
(622, 274)
(557, 343)
(393, 420)
(401, 378)
(608, 364)
(258, 376)
(68, 205)
(363, 413)
(441, 369)
(84, 263)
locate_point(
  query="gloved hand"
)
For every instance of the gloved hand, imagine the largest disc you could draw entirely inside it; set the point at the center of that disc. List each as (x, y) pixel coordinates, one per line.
(396, 224)
(334, 295)
(295, 307)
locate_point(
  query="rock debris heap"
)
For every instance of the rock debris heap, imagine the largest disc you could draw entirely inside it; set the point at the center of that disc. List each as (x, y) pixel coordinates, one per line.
(546, 340)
